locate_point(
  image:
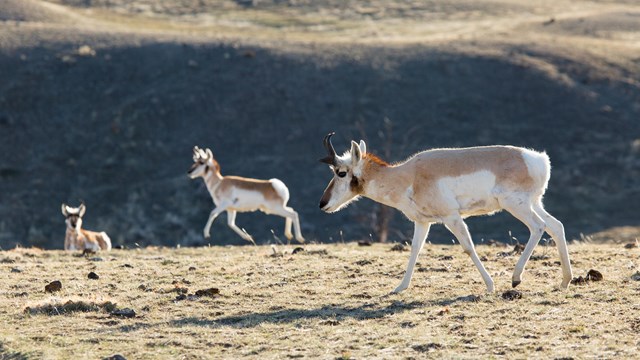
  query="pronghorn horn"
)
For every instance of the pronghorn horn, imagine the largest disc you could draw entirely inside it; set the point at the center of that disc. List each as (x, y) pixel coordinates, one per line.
(331, 157)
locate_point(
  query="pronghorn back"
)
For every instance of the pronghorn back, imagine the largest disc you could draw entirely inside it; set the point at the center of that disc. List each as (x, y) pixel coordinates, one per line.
(264, 187)
(518, 168)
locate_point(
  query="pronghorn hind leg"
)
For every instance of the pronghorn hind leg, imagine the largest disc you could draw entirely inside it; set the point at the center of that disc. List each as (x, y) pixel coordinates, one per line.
(523, 211)
(287, 228)
(231, 221)
(555, 228)
(459, 229)
(291, 217)
(419, 236)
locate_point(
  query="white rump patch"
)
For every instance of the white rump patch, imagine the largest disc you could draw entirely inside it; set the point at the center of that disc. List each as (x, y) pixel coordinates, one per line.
(280, 188)
(538, 165)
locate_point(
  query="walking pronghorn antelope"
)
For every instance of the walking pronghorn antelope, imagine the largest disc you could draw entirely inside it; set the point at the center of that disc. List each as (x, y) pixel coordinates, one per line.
(446, 186)
(237, 194)
(77, 238)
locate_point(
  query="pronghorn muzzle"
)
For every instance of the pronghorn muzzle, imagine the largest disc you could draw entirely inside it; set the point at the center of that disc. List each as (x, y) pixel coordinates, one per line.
(331, 157)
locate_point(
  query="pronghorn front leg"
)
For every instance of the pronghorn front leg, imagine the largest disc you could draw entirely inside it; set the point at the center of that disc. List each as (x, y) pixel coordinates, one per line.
(214, 214)
(231, 221)
(419, 236)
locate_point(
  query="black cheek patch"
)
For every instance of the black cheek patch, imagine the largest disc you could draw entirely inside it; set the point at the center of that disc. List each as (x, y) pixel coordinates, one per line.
(357, 186)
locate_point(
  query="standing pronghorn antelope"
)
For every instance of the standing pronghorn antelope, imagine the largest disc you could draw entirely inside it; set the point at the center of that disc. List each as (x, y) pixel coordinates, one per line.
(237, 194)
(77, 238)
(447, 185)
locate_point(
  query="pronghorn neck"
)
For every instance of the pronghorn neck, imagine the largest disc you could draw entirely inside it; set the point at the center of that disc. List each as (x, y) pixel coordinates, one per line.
(382, 182)
(212, 180)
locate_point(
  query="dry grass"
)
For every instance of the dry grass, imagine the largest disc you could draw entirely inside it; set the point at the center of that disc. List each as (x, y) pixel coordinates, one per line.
(323, 304)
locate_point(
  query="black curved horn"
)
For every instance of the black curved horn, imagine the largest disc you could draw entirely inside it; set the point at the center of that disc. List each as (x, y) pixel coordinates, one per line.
(331, 157)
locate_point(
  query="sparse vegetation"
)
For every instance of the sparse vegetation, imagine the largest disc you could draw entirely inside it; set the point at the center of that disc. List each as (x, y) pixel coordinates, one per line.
(329, 301)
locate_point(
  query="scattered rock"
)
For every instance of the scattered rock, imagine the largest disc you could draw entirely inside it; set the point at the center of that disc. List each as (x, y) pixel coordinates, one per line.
(126, 266)
(93, 276)
(539, 257)
(518, 249)
(424, 269)
(631, 245)
(53, 286)
(97, 258)
(446, 257)
(364, 243)
(211, 292)
(115, 357)
(594, 275)
(549, 22)
(636, 276)
(180, 297)
(399, 247)
(427, 347)
(407, 324)
(578, 281)
(317, 252)
(512, 295)
(192, 268)
(125, 313)
(86, 50)
(297, 250)
(87, 252)
(363, 262)
(443, 311)
(7, 261)
(16, 270)
(22, 294)
(361, 296)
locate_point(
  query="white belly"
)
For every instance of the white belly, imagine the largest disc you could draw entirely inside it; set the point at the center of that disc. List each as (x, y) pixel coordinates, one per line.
(246, 201)
(472, 194)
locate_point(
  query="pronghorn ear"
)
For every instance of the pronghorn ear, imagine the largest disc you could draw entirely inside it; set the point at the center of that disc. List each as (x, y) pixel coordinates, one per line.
(81, 210)
(363, 147)
(64, 209)
(356, 152)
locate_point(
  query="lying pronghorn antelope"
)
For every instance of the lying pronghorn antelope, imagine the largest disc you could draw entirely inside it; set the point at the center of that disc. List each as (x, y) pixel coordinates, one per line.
(237, 194)
(77, 238)
(447, 185)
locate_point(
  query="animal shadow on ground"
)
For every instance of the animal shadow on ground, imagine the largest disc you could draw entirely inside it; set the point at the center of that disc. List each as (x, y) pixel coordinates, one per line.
(329, 312)
(9, 355)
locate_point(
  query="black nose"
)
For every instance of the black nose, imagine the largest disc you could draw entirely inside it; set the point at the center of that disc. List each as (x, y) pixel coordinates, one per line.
(323, 203)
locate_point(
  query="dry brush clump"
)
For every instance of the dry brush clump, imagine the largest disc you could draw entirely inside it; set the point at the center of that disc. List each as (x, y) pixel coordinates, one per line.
(69, 307)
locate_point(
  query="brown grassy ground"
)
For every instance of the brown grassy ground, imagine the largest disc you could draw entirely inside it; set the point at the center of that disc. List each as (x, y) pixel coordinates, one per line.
(330, 301)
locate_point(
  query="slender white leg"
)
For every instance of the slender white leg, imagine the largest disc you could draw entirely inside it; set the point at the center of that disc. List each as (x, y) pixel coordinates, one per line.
(420, 233)
(556, 230)
(524, 212)
(287, 228)
(291, 216)
(214, 214)
(459, 229)
(231, 221)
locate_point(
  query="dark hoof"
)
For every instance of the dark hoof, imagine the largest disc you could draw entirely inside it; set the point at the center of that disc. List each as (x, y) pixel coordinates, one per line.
(515, 283)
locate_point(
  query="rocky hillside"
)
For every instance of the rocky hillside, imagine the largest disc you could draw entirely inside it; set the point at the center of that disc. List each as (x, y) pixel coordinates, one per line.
(97, 109)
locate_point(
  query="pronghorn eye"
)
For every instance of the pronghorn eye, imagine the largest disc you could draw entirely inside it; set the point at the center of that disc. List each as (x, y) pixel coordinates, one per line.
(342, 173)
